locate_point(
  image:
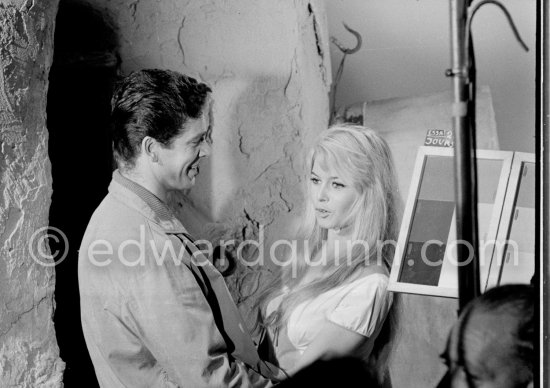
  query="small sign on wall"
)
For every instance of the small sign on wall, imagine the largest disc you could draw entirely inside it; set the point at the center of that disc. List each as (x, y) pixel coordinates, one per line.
(439, 138)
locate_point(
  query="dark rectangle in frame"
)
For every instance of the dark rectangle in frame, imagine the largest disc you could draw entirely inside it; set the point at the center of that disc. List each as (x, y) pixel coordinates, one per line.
(422, 271)
(437, 182)
(526, 194)
(431, 221)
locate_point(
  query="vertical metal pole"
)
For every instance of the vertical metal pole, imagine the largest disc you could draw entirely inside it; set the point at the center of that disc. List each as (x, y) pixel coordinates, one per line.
(543, 183)
(465, 173)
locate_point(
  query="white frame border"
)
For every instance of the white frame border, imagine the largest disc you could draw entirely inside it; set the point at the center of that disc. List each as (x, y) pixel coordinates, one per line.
(512, 191)
(406, 224)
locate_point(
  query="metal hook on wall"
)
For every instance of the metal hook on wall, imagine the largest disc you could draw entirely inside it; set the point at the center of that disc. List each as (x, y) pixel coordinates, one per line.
(471, 13)
(346, 51)
(467, 32)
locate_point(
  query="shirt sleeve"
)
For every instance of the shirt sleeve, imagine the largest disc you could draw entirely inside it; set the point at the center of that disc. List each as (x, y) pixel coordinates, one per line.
(364, 306)
(172, 317)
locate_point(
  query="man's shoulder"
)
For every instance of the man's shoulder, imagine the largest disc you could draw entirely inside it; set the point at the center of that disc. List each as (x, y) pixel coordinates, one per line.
(118, 227)
(112, 223)
(114, 214)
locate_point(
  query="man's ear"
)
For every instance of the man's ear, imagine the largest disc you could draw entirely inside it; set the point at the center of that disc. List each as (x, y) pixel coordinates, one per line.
(149, 148)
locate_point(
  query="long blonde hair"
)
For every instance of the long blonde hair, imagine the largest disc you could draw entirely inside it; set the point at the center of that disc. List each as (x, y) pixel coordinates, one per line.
(361, 157)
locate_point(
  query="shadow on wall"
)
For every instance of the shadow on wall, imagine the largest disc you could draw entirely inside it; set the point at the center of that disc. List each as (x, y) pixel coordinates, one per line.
(81, 79)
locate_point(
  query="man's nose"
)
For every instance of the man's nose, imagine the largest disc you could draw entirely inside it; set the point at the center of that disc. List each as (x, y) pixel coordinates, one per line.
(206, 149)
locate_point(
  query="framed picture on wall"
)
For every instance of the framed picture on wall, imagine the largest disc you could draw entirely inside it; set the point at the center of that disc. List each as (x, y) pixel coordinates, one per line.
(425, 256)
(514, 256)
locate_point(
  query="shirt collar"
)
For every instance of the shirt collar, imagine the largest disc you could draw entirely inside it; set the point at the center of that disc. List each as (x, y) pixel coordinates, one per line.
(161, 212)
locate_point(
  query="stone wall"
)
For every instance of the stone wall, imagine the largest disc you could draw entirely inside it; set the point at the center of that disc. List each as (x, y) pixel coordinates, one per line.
(29, 356)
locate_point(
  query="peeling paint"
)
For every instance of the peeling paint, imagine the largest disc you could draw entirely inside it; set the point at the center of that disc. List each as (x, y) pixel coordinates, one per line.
(241, 141)
(179, 41)
(315, 32)
(292, 71)
(266, 169)
(133, 9)
(289, 206)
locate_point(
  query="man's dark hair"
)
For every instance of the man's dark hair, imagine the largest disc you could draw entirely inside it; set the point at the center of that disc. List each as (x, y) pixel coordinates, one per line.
(508, 303)
(508, 312)
(155, 103)
(516, 301)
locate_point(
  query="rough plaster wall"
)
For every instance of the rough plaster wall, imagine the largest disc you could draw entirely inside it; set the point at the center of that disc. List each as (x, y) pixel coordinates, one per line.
(29, 356)
(268, 63)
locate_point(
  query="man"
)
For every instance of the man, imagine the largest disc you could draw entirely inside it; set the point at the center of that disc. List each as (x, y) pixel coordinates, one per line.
(155, 312)
(492, 344)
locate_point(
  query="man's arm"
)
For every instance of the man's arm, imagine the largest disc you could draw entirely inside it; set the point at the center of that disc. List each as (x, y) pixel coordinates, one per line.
(175, 321)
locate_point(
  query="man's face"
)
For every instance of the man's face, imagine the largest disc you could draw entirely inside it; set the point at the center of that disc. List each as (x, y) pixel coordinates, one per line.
(481, 356)
(179, 163)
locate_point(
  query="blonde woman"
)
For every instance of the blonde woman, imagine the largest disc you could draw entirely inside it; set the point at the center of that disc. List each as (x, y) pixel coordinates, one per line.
(334, 301)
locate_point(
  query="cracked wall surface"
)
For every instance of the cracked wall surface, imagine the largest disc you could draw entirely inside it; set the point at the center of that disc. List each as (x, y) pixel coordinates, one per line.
(29, 356)
(268, 64)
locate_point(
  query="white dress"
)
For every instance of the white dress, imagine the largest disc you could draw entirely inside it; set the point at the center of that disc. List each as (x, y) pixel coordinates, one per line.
(360, 306)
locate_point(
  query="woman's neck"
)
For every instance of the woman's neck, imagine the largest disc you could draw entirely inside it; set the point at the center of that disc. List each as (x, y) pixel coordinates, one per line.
(338, 241)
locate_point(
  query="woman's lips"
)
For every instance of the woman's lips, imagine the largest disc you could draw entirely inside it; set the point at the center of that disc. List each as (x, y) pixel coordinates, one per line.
(323, 213)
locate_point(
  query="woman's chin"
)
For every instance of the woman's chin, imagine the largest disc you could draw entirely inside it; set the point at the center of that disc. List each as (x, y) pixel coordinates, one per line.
(324, 224)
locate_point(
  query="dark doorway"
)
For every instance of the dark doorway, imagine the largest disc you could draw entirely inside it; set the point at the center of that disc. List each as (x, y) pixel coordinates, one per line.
(81, 79)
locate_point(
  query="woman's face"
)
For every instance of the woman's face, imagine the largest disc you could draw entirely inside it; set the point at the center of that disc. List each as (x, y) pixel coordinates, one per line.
(331, 195)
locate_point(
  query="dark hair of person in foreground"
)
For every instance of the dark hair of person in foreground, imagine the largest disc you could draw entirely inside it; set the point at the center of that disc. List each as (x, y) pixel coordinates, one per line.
(492, 344)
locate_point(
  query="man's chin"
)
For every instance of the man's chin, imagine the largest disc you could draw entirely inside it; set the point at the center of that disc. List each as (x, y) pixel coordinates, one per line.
(190, 181)
(186, 183)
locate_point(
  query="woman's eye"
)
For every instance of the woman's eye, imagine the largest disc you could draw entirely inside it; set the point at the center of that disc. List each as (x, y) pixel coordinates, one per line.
(338, 185)
(314, 180)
